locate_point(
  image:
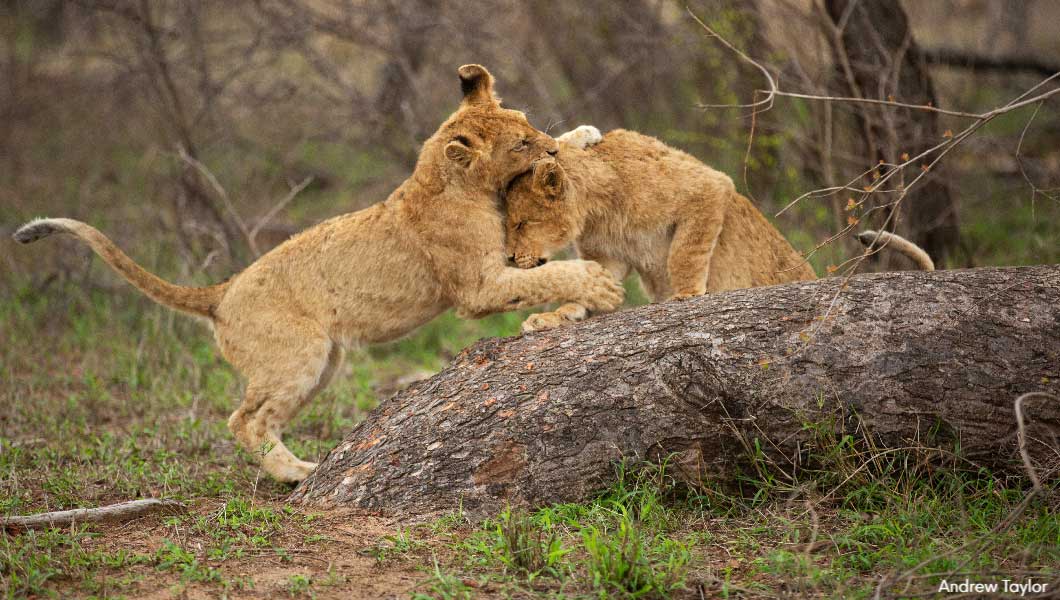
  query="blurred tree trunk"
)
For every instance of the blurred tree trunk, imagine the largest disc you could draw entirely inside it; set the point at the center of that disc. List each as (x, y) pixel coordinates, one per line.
(722, 385)
(411, 25)
(25, 30)
(879, 58)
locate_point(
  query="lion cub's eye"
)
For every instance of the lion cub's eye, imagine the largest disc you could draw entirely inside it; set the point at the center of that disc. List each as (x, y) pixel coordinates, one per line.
(519, 225)
(520, 146)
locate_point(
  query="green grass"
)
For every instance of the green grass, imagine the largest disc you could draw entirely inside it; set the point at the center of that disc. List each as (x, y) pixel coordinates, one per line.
(628, 562)
(443, 586)
(650, 536)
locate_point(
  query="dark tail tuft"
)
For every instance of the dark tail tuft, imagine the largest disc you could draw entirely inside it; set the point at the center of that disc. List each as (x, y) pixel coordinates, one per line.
(35, 230)
(867, 238)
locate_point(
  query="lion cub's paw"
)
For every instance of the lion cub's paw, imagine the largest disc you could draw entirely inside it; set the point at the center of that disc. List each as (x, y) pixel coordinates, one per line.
(284, 467)
(543, 321)
(581, 137)
(568, 313)
(603, 293)
(684, 296)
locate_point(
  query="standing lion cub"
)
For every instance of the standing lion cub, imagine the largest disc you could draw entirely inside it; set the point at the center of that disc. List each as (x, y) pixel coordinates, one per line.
(374, 275)
(630, 202)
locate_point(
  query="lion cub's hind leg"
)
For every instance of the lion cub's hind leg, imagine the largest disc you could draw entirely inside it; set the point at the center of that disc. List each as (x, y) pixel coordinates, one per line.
(287, 374)
(692, 247)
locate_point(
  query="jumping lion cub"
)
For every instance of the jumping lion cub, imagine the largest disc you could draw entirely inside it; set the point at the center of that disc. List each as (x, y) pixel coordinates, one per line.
(373, 275)
(631, 202)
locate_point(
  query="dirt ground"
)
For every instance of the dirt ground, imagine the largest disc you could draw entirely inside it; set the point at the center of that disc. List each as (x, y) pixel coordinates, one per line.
(340, 566)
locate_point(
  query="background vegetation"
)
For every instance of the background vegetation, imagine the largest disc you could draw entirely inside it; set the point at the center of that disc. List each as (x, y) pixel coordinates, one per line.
(106, 105)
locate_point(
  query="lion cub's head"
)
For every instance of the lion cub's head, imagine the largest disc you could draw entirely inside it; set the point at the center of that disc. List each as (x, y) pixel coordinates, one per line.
(483, 144)
(540, 217)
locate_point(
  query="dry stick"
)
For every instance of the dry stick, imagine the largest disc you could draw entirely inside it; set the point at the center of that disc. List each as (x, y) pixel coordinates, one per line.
(275, 210)
(1035, 190)
(250, 234)
(1021, 435)
(220, 190)
(124, 511)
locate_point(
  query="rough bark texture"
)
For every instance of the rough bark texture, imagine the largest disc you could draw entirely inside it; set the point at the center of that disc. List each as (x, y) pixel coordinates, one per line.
(912, 357)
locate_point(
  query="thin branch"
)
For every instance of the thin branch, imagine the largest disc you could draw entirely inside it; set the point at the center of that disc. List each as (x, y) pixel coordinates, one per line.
(770, 93)
(220, 190)
(1021, 435)
(1035, 190)
(774, 91)
(275, 210)
(124, 511)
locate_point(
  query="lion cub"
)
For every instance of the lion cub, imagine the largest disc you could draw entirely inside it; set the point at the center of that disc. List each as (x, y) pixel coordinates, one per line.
(373, 275)
(631, 202)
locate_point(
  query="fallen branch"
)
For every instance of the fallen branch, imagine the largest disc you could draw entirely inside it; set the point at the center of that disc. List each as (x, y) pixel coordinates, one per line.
(114, 513)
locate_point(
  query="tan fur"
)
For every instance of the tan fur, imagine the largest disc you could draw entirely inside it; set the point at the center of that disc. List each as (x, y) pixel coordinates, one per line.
(634, 203)
(373, 275)
(876, 240)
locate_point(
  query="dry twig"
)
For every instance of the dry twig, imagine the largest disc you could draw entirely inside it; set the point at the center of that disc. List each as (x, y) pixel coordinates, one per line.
(124, 511)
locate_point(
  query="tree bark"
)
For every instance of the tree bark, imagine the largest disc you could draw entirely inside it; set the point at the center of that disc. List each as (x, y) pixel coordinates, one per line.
(884, 60)
(908, 358)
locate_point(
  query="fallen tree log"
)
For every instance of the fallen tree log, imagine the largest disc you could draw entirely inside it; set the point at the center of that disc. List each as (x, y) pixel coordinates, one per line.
(909, 358)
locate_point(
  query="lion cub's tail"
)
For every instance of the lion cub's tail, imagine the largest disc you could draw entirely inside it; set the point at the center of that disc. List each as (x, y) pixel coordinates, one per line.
(199, 301)
(885, 239)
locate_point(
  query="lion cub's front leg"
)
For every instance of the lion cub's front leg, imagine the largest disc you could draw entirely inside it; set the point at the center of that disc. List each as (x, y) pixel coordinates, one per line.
(578, 281)
(572, 313)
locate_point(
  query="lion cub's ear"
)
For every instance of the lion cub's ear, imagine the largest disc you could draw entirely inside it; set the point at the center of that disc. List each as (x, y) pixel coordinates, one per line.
(477, 85)
(459, 153)
(549, 178)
